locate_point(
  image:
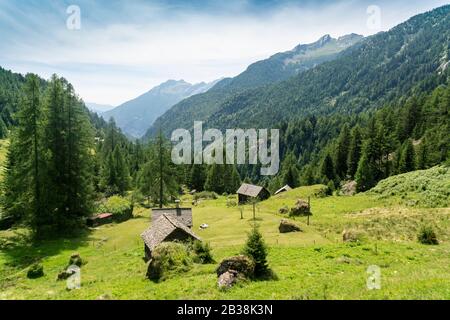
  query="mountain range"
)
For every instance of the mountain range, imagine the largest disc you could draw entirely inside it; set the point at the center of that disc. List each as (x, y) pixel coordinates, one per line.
(136, 116)
(275, 69)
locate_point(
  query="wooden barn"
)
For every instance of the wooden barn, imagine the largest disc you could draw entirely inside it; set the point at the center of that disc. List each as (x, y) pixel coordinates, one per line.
(248, 192)
(164, 229)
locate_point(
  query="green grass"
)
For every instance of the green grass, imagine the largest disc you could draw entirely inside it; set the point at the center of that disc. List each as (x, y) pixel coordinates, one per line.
(314, 264)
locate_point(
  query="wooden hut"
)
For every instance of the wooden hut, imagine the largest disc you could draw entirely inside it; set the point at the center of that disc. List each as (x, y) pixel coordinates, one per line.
(164, 229)
(100, 219)
(248, 192)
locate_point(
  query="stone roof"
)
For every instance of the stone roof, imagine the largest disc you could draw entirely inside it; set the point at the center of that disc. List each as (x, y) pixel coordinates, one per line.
(184, 215)
(249, 190)
(162, 228)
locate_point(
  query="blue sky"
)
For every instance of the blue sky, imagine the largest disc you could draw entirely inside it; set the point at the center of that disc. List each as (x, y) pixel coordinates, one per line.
(124, 48)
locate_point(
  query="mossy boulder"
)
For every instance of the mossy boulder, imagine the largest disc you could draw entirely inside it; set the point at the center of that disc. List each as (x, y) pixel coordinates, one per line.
(288, 226)
(301, 208)
(242, 265)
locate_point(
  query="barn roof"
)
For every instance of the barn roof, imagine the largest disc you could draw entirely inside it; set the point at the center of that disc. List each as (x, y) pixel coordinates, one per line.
(162, 228)
(285, 188)
(250, 190)
(184, 215)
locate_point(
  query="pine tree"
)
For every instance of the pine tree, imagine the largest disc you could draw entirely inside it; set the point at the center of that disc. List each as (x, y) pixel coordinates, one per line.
(156, 178)
(256, 249)
(214, 179)
(354, 153)
(422, 155)
(342, 151)
(327, 169)
(23, 180)
(289, 172)
(365, 175)
(121, 173)
(407, 158)
(69, 145)
(197, 177)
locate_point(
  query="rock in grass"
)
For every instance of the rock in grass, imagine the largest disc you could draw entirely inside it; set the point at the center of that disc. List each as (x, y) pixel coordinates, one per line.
(284, 210)
(35, 271)
(242, 265)
(287, 226)
(227, 279)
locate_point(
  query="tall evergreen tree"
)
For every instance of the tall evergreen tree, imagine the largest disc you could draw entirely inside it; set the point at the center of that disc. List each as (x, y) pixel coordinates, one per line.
(327, 169)
(156, 178)
(354, 153)
(407, 160)
(69, 145)
(197, 177)
(23, 180)
(342, 151)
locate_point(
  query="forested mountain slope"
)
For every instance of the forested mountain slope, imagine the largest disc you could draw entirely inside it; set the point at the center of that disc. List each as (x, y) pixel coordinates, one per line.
(380, 69)
(279, 67)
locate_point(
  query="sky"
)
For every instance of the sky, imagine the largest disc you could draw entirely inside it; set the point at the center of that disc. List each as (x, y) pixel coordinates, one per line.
(113, 51)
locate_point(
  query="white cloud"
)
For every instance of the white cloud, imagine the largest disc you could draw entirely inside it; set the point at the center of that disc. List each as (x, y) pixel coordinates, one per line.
(112, 62)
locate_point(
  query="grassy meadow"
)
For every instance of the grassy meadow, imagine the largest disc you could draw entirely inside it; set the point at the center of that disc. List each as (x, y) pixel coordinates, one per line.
(313, 264)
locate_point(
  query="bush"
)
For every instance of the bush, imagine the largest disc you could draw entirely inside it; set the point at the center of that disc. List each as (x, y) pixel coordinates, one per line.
(202, 252)
(256, 249)
(427, 236)
(231, 203)
(168, 258)
(352, 236)
(121, 208)
(35, 271)
(206, 195)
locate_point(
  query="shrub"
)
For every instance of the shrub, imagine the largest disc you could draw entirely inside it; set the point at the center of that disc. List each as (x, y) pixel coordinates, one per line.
(205, 195)
(35, 271)
(352, 236)
(427, 236)
(168, 258)
(256, 249)
(202, 252)
(231, 203)
(121, 208)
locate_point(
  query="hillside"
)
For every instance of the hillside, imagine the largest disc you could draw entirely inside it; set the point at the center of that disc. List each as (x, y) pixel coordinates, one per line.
(380, 69)
(136, 116)
(279, 67)
(313, 264)
(426, 188)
